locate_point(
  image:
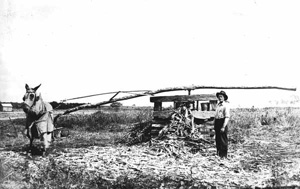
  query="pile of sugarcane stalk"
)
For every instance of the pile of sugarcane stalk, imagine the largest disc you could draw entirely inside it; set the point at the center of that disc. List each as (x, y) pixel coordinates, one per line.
(175, 139)
(139, 133)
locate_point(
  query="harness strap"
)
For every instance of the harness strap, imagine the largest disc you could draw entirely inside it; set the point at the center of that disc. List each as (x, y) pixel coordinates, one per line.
(39, 120)
(34, 122)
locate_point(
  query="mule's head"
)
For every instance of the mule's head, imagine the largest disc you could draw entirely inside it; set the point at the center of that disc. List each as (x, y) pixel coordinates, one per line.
(30, 97)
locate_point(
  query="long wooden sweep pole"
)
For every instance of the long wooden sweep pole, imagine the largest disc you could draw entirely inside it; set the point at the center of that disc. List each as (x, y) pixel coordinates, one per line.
(194, 87)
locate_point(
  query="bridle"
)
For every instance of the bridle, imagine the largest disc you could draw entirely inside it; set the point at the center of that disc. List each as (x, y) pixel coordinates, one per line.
(28, 93)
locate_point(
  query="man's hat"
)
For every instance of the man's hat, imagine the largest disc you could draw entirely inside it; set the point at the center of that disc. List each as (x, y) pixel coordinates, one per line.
(222, 93)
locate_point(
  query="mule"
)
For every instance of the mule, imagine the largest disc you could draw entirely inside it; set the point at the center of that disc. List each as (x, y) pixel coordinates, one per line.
(39, 118)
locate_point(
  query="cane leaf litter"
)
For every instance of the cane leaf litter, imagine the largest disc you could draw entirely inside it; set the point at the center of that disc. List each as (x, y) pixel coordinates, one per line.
(263, 152)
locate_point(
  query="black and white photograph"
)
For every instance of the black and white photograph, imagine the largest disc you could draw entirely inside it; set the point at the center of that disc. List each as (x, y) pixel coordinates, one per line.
(160, 94)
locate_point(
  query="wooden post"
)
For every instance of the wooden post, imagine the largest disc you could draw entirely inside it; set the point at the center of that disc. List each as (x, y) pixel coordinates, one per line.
(213, 105)
(157, 106)
(197, 105)
(189, 91)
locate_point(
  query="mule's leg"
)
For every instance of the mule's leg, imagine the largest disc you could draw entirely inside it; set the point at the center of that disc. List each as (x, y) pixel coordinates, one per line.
(30, 145)
(43, 138)
(46, 141)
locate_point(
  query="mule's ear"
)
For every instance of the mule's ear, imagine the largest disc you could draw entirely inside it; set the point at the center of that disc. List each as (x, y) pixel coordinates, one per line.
(36, 88)
(37, 98)
(27, 87)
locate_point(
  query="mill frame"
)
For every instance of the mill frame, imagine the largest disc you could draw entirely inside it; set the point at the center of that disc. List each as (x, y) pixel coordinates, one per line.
(202, 107)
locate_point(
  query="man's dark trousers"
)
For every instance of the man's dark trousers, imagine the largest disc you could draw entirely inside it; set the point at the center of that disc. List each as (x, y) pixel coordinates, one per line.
(221, 138)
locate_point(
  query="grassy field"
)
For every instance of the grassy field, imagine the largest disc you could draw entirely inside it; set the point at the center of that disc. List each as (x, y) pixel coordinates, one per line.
(264, 152)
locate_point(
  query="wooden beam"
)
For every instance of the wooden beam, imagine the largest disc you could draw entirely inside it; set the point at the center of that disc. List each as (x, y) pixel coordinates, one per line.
(183, 98)
(166, 90)
(203, 114)
(114, 96)
(194, 87)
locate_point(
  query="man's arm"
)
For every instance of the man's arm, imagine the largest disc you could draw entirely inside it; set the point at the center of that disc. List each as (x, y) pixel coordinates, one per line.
(226, 122)
(227, 115)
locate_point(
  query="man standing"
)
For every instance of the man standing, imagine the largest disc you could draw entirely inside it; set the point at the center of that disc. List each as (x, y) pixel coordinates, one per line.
(220, 124)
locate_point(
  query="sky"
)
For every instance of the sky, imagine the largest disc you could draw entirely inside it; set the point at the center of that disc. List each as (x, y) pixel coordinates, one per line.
(83, 47)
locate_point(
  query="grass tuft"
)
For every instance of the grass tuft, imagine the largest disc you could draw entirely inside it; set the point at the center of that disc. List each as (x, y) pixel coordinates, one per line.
(100, 120)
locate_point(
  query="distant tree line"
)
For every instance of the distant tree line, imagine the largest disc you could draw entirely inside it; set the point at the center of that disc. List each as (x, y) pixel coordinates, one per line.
(56, 105)
(16, 105)
(62, 106)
